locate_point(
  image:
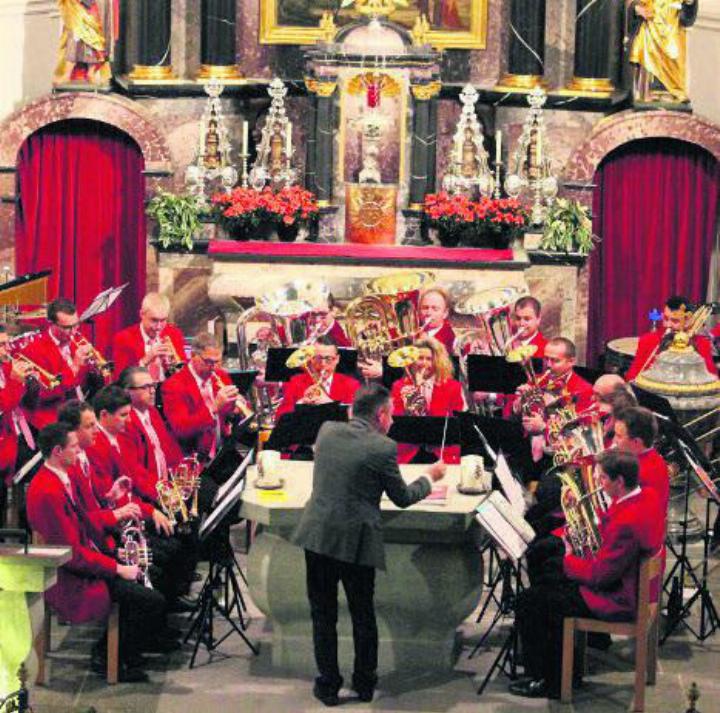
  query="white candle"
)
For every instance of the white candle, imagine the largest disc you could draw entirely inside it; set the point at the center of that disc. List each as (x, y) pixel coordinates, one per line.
(245, 137)
(498, 146)
(288, 140)
(539, 149)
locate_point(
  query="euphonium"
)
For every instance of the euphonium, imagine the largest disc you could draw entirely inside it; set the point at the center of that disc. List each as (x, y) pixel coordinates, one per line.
(134, 549)
(95, 358)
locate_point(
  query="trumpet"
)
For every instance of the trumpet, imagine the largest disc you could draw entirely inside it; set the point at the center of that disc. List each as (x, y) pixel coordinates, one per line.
(135, 550)
(95, 358)
(41, 376)
(173, 361)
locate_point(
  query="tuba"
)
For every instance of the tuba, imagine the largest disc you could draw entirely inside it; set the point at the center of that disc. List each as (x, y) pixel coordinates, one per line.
(386, 316)
(582, 502)
(491, 312)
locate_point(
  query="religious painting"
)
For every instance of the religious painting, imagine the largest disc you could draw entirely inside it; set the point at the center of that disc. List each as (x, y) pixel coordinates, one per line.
(457, 24)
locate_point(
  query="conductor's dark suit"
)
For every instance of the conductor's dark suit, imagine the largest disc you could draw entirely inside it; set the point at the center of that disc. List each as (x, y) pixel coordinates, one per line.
(341, 533)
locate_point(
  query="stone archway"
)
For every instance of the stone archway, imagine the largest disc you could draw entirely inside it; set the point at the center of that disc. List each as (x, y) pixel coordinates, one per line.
(124, 114)
(618, 129)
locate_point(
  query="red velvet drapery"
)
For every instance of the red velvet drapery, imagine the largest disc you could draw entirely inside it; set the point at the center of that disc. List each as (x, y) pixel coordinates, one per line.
(81, 214)
(655, 208)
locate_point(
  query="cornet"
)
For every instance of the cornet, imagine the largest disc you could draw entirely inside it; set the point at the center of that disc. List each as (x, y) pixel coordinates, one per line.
(172, 362)
(44, 378)
(242, 407)
(95, 358)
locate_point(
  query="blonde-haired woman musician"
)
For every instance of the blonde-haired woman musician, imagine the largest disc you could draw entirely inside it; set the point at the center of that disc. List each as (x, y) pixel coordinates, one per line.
(430, 390)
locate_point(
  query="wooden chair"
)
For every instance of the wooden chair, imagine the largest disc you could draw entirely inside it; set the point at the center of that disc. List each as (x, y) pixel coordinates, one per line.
(645, 630)
(42, 640)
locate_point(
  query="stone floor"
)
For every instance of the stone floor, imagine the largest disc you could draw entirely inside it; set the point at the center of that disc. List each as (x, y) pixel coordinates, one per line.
(238, 681)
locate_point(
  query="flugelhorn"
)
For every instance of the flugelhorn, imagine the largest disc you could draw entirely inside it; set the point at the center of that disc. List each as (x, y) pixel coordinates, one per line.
(135, 550)
(300, 359)
(95, 358)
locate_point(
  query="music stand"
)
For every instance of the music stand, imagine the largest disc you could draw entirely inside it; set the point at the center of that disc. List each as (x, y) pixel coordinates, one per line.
(425, 431)
(496, 375)
(276, 369)
(242, 380)
(659, 405)
(588, 373)
(301, 426)
(221, 577)
(487, 435)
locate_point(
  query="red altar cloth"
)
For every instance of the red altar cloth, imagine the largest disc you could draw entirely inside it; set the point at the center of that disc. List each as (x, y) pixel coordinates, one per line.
(357, 253)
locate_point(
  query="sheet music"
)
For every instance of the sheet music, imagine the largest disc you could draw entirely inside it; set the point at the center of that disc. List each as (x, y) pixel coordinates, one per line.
(102, 302)
(510, 486)
(501, 531)
(233, 479)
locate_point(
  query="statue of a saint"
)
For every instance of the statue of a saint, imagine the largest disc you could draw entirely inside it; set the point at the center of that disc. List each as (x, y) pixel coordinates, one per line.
(658, 48)
(469, 154)
(276, 150)
(86, 44)
(212, 158)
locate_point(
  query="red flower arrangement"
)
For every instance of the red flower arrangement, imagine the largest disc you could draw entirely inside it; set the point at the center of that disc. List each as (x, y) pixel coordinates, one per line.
(245, 210)
(488, 222)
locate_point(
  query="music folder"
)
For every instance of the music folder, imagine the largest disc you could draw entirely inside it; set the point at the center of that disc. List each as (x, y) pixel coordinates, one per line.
(276, 370)
(495, 375)
(301, 426)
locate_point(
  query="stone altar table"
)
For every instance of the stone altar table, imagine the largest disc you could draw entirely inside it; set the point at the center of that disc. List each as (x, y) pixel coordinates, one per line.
(432, 583)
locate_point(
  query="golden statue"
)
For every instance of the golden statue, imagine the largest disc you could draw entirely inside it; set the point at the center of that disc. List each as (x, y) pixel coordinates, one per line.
(86, 45)
(276, 150)
(212, 158)
(658, 48)
(469, 154)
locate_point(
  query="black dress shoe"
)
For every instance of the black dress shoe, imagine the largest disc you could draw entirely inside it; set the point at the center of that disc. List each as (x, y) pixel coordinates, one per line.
(365, 694)
(328, 698)
(183, 605)
(529, 688)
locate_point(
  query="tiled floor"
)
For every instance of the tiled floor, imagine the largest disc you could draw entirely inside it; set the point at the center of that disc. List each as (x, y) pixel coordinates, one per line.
(237, 681)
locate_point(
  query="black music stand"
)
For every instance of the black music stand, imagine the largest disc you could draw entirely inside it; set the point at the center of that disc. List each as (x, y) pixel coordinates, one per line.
(301, 426)
(276, 369)
(588, 373)
(659, 405)
(678, 609)
(242, 380)
(221, 577)
(487, 436)
(494, 374)
(427, 432)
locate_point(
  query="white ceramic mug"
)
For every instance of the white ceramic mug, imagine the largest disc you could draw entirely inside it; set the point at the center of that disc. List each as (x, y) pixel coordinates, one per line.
(268, 467)
(473, 475)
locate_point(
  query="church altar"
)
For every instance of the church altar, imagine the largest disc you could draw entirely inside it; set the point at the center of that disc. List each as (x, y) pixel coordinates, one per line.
(432, 583)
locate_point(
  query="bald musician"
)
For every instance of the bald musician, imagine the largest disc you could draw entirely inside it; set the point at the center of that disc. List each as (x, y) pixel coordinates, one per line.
(675, 317)
(153, 343)
(434, 308)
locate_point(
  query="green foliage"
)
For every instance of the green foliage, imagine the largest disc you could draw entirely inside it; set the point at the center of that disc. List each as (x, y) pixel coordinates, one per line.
(178, 218)
(568, 228)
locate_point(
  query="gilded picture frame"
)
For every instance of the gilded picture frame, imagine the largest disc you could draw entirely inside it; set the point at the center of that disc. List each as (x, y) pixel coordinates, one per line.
(469, 18)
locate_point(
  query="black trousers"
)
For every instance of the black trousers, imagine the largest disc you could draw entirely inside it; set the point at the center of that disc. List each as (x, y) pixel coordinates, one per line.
(142, 614)
(539, 617)
(323, 575)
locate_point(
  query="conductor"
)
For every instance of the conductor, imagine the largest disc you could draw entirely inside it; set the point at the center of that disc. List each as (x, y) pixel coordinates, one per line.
(340, 530)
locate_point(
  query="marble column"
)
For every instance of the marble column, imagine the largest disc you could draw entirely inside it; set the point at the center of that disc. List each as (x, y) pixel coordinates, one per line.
(597, 46)
(324, 166)
(421, 158)
(310, 144)
(153, 41)
(217, 40)
(526, 54)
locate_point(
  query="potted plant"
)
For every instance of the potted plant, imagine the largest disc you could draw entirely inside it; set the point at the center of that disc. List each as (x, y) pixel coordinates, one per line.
(487, 223)
(177, 218)
(568, 228)
(249, 214)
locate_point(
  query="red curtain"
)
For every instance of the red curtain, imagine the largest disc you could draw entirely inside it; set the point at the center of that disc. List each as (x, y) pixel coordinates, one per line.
(81, 214)
(655, 208)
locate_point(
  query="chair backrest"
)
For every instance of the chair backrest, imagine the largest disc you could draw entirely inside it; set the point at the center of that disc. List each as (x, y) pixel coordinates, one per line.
(649, 568)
